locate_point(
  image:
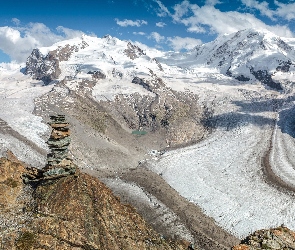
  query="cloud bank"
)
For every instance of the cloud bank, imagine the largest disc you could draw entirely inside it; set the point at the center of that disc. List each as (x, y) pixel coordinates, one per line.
(284, 11)
(179, 43)
(18, 42)
(209, 19)
(176, 43)
(156, 36)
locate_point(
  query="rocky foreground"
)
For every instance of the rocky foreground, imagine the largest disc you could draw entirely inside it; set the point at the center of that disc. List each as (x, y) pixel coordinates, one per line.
(71, 212)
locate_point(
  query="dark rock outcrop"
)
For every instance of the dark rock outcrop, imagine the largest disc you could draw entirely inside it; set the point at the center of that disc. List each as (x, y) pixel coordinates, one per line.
(97, 75)
(142, 83)
(242, 78)
(133, 51)
(264, 77)
(46, 67)
(284, 66)
(40, 67)
(280, 238)
(158, 64)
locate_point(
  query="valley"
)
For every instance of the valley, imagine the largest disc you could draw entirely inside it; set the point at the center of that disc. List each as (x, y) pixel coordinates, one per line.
(203, 154)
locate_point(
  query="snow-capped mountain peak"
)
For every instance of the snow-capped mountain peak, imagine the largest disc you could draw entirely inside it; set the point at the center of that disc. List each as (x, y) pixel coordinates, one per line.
(77, 57)
(247, 55)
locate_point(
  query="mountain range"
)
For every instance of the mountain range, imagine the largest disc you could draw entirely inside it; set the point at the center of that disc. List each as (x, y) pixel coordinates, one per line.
(247, 55)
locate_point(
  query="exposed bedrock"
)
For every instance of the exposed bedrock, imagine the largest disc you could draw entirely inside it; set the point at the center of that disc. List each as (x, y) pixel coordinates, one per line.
(279, 238)
(46, 67)
(266, 78)
(133, 51)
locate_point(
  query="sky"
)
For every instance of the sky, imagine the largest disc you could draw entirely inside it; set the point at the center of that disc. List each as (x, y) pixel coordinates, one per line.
(177, 25)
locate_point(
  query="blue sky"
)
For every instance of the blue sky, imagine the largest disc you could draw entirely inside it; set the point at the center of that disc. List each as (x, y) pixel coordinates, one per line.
(164, 24)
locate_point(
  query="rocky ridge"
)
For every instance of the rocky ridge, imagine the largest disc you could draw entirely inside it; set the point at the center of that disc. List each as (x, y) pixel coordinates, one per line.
(133, 51)
(280, 238)
(77, 211)
(15, 200)
(46, 68)
(70, 212)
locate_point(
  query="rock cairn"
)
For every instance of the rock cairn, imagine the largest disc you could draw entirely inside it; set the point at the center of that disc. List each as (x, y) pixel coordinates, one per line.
(58, 162)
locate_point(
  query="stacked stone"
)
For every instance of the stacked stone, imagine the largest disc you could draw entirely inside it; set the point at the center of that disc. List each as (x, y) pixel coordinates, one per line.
(58, 161)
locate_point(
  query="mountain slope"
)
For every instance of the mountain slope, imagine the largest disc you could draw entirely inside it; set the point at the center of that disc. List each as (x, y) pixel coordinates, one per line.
(82, 57)
(74, 212)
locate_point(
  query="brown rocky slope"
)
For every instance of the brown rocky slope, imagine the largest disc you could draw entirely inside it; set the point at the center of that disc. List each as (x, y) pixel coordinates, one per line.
(70, 212)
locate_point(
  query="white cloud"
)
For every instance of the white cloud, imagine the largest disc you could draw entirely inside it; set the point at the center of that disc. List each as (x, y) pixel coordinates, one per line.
(197, 19)
(286, 11)
(18, 42)
(127, 22)
(263, 7)
(162, 11)
(161, 24)
(213, 2)
(180, 10)
(139, 33)
(157, 37)
(179, 43)
(15, 21)
(176, 43)
(196, 29)
(69, 33)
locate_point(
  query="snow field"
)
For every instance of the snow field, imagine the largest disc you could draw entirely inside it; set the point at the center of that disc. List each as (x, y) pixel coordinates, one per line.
(223, 174)
(282, 156)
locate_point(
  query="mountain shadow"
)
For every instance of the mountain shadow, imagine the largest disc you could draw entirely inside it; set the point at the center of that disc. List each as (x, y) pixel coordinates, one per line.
(233, 120)
(286, 121)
